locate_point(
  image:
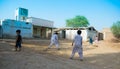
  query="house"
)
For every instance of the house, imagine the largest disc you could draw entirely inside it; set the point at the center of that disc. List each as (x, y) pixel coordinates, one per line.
(31, 27)
(41, 28)
(34, 28)
(108, 35)
(69, 32)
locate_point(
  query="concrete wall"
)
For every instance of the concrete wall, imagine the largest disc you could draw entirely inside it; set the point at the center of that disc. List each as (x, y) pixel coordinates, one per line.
(10, 26)
(107, 34)
(36, 31)
(40, 22)
(41, 32)
(41, 27)
(62, 34)
(92, 34)
(70, 34)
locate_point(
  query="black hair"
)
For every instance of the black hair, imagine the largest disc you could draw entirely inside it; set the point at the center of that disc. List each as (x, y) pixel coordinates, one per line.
(55, 32)
(79, 32)
(19, 31)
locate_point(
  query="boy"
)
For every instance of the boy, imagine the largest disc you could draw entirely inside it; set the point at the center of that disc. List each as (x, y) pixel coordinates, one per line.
(18, 40)
(77, 46)
(54, 40)
(96, 41)
(90, 41)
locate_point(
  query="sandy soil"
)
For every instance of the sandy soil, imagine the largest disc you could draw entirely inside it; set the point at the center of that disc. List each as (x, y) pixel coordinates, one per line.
(34, 55)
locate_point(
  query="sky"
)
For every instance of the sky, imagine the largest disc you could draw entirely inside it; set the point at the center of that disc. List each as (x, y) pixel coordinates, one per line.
(100, 13)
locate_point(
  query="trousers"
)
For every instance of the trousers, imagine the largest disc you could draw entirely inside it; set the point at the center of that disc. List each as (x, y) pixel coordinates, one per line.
(79, 50)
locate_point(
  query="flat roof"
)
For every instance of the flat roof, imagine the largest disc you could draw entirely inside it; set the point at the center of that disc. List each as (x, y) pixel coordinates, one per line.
(74, 28)
(40, 22)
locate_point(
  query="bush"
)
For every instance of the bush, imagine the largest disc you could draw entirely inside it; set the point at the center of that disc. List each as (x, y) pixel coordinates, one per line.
(116, 29)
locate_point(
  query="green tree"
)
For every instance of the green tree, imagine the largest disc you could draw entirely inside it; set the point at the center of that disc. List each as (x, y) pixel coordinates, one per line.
(116, 29)
(78, 21)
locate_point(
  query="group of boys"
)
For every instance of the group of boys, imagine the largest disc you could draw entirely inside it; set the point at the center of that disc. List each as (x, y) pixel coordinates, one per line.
(77, 43)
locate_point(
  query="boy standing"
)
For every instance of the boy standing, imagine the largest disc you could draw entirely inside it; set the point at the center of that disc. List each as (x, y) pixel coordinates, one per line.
(54, 40)
(96, 41)
(90, 41)
(77, 46)
(18, 40)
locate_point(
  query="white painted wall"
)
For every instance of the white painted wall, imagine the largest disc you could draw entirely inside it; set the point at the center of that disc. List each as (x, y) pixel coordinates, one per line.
(70, 34)
(92, 34)
(40, 22)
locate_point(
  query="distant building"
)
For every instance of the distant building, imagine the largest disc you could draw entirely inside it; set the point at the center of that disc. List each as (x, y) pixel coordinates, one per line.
(69, 33)
(31, 27)
(107, 34)
(41, 28)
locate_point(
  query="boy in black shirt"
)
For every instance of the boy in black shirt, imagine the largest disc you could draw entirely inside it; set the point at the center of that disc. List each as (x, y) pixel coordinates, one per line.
(18, 40)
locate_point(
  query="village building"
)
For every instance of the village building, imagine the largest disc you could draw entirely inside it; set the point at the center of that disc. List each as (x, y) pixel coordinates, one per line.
(107, 34)
(70, 32)
(41, 28)
(31, 27)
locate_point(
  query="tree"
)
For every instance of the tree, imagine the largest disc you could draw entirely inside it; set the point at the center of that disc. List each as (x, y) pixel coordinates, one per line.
(78, 21)
(116, 29)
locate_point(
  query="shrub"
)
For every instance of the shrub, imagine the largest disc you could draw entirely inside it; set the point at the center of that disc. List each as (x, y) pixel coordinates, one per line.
(116, 29)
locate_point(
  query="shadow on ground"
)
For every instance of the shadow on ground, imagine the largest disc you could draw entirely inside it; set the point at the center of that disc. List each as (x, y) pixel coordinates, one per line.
(14, 60)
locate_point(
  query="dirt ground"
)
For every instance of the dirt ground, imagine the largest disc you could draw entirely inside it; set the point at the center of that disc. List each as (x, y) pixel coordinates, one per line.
(34, 55)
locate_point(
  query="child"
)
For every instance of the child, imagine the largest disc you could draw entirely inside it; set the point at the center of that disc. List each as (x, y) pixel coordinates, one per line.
(18, 40)
(90, 40)
(54, 40)
(77, 46)
(96, 41)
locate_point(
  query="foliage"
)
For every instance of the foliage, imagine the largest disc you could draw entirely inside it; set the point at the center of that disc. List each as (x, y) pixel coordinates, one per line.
(116, 29)
(78, 21)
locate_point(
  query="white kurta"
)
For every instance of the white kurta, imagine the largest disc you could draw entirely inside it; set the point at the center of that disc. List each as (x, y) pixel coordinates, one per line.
(96, 41)
(77, 46)
(54, 40)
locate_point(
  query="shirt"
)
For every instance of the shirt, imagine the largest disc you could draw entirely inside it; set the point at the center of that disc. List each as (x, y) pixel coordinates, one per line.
(19, 38)
(54, 37)
(78, 41)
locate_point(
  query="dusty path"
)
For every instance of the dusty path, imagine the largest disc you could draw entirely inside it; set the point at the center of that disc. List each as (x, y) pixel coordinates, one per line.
(35, 56)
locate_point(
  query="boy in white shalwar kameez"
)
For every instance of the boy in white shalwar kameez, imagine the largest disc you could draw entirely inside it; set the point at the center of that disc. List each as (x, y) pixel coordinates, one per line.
(54, 40)
(96, 41)
(77, 46)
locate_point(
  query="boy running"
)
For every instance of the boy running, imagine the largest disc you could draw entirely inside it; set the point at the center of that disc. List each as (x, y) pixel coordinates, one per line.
(54, 40)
